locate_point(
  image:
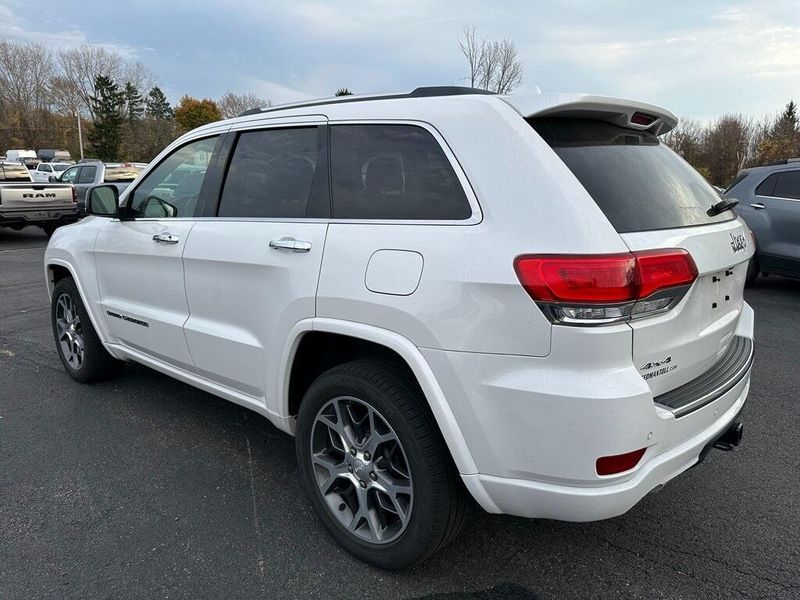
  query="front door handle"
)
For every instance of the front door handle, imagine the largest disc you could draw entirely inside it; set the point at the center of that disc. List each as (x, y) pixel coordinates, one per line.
(166, 238)
(292, 244)
(758, 205)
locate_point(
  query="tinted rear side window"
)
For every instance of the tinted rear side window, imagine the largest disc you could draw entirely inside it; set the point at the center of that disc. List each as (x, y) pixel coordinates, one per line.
(87, 175)
(638, 182)
(766, 187)
(393, 172)
(788, 185)
(14, 172)
(271, 174)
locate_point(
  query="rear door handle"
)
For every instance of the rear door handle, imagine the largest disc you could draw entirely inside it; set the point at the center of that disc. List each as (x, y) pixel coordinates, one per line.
(758, 205)
(166, 238)
(292, 244)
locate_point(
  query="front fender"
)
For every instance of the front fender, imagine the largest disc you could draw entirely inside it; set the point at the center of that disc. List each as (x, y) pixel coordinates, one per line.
(71, 247)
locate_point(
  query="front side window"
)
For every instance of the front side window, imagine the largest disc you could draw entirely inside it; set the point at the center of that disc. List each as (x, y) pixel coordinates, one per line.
(87, 174)
(70, 175)
(172, 189)
(393, 172)
(271, 174)
(45, 168)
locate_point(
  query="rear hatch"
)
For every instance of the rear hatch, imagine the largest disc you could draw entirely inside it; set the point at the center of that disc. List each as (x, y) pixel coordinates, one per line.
(657, 201)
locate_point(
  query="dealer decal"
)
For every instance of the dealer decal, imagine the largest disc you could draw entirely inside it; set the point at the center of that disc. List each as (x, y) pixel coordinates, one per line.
(656, 368)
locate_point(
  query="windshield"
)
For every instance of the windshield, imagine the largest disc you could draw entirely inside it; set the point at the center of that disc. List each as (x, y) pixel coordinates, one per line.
(122, 173)
(638, 182)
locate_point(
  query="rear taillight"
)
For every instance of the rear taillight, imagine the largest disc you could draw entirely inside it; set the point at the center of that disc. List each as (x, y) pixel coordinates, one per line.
(74, 194)
(597, 289)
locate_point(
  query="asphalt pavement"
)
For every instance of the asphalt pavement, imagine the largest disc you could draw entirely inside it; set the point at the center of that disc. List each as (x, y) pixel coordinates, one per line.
(143, 487)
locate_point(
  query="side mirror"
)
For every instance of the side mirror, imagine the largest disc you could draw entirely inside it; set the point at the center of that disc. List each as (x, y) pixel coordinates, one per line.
(52, 179)
(103, 201)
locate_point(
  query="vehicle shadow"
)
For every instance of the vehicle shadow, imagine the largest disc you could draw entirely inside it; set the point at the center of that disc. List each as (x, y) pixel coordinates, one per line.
(495, 555)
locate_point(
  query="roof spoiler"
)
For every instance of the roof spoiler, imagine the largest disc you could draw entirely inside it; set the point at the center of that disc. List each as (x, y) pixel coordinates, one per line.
(624, 113)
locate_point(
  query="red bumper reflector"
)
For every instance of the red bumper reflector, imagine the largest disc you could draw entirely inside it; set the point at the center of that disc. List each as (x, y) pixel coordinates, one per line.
(619, 463)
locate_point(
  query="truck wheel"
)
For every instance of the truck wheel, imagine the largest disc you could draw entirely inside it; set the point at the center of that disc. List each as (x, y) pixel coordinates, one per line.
(49, 228)
(375, 467)
(80, 350)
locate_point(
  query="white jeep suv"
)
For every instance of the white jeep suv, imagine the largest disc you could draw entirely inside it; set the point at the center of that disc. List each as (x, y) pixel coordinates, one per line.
(529, 301)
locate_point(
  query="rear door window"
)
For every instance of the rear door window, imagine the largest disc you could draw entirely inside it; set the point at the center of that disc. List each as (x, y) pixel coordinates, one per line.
(767, 187)
(393, 172)
(637, 181)
(271, 175)
(87, 174)
(788, 185)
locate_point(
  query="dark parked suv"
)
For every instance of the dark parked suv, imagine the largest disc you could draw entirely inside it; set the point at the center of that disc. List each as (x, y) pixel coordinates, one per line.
(769, 202)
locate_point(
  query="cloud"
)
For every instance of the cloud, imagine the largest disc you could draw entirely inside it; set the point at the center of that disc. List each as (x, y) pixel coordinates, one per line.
(13, 27)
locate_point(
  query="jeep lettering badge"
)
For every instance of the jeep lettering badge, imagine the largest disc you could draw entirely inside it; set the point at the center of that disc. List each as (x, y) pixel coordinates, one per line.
(738, 242)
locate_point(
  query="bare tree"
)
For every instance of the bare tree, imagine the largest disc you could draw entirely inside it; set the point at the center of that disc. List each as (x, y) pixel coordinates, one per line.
(508, 74)
(25, 72)
(493, 65)
(472, 48)
(232, 105)
(81, 66)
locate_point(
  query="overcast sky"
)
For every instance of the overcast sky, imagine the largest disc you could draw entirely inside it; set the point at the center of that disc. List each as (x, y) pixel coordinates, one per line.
(699, 58)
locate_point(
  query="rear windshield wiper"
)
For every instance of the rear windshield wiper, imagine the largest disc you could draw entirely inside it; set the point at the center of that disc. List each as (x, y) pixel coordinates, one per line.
(721, 206)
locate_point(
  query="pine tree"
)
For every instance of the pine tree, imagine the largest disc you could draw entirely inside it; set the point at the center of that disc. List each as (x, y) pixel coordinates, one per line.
(343, 92)
(108, 105)
(133, 103)
(157, 106)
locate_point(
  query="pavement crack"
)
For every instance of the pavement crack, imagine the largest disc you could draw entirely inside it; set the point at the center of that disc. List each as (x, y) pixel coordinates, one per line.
(256, 519)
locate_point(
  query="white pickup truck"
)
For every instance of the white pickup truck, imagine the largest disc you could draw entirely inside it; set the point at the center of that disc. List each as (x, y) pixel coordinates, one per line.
(24, 203)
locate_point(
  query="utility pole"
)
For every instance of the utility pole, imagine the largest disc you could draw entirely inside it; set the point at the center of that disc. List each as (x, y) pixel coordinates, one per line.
(80, 135)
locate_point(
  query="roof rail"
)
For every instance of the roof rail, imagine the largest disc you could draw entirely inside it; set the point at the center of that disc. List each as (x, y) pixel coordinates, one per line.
(785, 161)
(420, 92)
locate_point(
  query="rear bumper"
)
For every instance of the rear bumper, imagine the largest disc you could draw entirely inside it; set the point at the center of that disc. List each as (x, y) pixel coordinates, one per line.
(29, 217)
(534, 499)
(536, 426)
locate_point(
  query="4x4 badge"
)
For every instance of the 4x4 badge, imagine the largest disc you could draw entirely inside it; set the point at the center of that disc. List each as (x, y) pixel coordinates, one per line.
(656, 363)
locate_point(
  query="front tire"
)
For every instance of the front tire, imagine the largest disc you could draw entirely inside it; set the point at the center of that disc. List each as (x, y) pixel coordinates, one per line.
(80, 349)
(375, 467)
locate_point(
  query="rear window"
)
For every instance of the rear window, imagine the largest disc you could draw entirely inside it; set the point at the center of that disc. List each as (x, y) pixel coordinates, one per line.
(14, 172)
(638, 182)
(123, 173)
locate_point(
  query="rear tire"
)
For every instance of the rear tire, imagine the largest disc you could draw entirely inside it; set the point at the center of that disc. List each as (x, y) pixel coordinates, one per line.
(426, 505)
(80, 349)
(752, 271)
(49, 229)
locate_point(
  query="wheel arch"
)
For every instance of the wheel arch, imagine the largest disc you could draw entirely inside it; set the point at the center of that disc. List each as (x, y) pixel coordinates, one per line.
(57, 269)
(387, 344)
